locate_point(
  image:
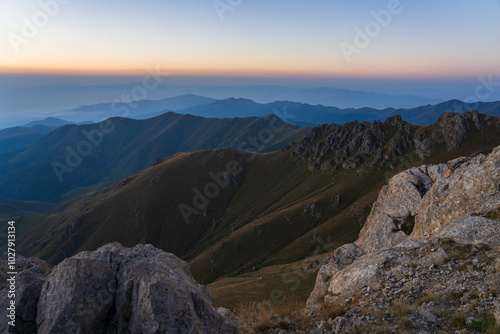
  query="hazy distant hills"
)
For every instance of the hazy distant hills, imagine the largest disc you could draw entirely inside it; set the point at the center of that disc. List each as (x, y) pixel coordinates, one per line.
(49, 122)
(72, 159)
(40, 99)
(301, 114)
(273, 209)
(141, 109)
(313, 115)
(328, 96)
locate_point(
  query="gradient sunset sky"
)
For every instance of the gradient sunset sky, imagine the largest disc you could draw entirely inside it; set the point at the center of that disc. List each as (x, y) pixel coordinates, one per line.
(426, 39)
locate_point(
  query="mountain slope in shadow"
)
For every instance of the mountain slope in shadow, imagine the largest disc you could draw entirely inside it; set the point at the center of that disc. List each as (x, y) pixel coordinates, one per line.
(75, 159)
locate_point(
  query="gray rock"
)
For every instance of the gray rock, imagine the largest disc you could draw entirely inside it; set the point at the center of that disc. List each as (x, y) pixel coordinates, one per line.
(136, 290)
(472, 230)
(428, 316)
(471, 187)
(400, 267)
(31, 274)
(341, 258)
(398, 200)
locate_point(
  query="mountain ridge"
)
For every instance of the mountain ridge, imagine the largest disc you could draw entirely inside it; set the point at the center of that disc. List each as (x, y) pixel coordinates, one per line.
(81, 156)
(272, 212)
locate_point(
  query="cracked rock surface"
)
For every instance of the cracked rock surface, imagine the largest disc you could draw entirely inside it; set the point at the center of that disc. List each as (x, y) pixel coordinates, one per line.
(126, 290)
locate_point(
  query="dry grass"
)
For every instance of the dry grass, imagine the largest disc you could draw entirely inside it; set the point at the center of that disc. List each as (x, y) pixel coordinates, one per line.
(261, 316)
(400, 309)
(333, 311)
(426, 299)
(405, 323)
(494, 330)
(356, 329)
(383, 330)
(464, 266)
(255, 315)
(457, 321)
(448, 241)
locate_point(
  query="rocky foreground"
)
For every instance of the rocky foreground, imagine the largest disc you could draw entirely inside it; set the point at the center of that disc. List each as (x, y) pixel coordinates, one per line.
(427, 261)
(113, 290)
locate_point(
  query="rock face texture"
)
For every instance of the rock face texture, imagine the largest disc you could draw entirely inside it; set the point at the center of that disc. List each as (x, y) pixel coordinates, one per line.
(470, 186)
(348, 146)
(341, 258)
(432, 196)
(125, 290)
(433, 234)
(32, 273)
(470, 230)
(389, 222)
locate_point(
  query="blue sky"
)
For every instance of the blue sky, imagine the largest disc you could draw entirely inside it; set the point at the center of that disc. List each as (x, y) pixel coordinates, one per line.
(446, 38)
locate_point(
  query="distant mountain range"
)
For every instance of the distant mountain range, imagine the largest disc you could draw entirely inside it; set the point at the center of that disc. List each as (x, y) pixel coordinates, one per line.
(50, 122)
(141, 109)
(74, 159)
(306, 114)
(328, 96)
(25, 152)
(33, 101)
(292, 112)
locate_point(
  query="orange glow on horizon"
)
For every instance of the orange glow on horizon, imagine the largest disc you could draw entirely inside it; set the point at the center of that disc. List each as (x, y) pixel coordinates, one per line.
(316, 70)
(256, 72)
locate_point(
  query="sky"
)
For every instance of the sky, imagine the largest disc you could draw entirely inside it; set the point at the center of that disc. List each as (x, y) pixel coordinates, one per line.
(52, 51)
(420, 39)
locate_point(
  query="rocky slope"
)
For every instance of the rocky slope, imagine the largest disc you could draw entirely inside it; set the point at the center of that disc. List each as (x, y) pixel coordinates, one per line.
(348, 146)
(427, 259)
(113, 290)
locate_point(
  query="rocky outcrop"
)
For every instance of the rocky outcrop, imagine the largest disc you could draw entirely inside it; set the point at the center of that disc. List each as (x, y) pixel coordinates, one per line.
(347, 146)
(382, 144)
(422, 282)
(341, 258)
(31, 275)
(392, 217)
(470, 186)
(449, 258)
(124, 290)
(418, 202)
(455, 126)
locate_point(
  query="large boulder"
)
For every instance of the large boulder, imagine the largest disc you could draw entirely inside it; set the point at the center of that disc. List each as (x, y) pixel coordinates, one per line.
(470, 186)
(471, 230)
(133, 290)
(341, 258)
(390, 221)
